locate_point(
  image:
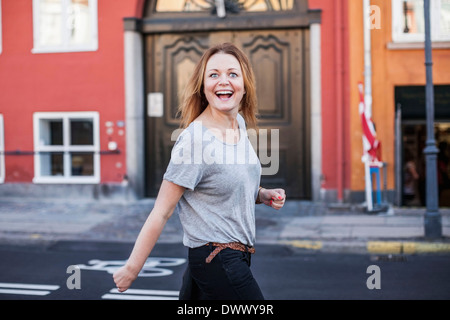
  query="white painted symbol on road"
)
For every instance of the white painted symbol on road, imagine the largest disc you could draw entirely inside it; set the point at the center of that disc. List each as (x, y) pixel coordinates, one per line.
(27, 289)
(153, 267)
(140, 294)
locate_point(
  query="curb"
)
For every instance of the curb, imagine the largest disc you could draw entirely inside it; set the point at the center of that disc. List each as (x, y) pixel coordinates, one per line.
(407, 247)
(371, 247)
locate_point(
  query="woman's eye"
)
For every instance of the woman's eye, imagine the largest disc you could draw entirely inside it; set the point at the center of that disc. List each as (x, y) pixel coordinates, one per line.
(233, 75)
(213, 75)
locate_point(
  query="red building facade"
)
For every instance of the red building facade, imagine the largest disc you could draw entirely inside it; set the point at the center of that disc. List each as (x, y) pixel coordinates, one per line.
(62, 101)
(73, 102)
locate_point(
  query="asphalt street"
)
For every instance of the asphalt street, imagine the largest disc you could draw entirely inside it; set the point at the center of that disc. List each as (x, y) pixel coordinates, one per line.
(283, 272)
(68, 250)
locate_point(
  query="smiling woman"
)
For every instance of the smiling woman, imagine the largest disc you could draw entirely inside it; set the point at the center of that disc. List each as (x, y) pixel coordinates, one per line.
(215, 199)
(225, 83)
(210, 77)
(224, 90)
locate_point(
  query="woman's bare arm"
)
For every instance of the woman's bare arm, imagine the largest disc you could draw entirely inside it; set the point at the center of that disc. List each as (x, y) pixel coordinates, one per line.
(166, 201)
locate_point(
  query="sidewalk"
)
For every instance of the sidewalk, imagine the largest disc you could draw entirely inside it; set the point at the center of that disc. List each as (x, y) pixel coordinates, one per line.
(301, 224)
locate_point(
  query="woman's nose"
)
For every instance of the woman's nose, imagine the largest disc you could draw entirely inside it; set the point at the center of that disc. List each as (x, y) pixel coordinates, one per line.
(223, 80)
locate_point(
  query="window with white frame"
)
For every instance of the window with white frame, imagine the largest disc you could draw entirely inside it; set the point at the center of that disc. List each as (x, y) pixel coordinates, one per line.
(2, 150)
(67, 147)
(408, 20)
(65, 25)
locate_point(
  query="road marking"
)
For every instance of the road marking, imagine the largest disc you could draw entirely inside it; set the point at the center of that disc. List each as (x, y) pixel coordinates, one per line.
(153, 267)
(25, 292)
(27, 289)
(141, 294)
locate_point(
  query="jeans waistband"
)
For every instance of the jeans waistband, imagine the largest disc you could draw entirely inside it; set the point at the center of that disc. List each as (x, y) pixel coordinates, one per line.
(231, 245)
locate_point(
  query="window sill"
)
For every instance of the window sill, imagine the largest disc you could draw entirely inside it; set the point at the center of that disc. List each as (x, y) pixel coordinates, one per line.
(417, 45)
(64, 50)
(61, 180)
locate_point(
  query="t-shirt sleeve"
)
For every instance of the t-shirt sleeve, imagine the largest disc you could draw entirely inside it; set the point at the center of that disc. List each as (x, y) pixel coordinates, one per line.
(185, 169)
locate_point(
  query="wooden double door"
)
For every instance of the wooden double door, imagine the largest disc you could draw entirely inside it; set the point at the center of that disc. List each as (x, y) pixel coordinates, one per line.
(281, 65)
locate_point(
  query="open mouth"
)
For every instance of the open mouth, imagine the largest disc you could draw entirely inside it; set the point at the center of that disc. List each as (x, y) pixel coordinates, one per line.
(224, 94)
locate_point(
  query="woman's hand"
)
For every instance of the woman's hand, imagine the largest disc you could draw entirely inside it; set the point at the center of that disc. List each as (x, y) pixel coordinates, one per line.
(124, 277)
(274, 198)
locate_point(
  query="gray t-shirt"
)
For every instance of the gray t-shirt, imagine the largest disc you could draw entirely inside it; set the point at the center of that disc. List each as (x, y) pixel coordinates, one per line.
(221, 182)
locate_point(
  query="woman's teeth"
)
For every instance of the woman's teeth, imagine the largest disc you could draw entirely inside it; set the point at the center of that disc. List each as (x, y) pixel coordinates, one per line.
(224, 94)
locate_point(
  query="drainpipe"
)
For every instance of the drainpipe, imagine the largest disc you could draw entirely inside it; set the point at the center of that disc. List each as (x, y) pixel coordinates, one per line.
(338, 30)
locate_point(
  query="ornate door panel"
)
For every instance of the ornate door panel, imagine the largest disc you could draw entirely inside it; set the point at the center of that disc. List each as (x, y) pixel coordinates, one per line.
(280, 63)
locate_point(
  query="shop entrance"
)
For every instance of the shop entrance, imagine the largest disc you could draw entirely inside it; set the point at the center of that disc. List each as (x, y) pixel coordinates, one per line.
(414, 166)
(411, 173)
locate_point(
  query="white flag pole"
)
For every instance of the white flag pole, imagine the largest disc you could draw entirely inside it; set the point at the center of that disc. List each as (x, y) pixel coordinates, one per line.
(368, 181)
(367, 96)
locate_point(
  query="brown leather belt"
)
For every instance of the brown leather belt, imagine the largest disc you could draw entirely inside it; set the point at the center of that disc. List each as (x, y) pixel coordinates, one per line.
(231, 245)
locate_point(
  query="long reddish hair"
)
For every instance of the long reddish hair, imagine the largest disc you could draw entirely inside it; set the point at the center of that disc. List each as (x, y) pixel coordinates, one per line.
(194, 100)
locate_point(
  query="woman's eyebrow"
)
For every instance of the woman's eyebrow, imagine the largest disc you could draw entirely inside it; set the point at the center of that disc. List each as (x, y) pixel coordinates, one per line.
(217, 70)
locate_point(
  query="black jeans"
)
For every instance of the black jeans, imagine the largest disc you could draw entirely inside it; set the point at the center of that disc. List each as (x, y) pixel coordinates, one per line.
(226, 277)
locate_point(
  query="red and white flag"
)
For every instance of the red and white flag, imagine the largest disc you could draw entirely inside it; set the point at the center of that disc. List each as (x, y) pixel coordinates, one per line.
(371, 144)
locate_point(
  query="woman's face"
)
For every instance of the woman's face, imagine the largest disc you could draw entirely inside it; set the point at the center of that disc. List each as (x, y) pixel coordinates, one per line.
(223, 82)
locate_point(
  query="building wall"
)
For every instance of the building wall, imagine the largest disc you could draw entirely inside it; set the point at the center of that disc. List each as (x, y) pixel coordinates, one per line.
(390, 67)
(335, 77)
(60, 82)
(94, 81)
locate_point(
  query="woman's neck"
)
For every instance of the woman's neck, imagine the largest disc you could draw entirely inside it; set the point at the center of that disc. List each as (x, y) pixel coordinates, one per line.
(223, 125)
(220, 120)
